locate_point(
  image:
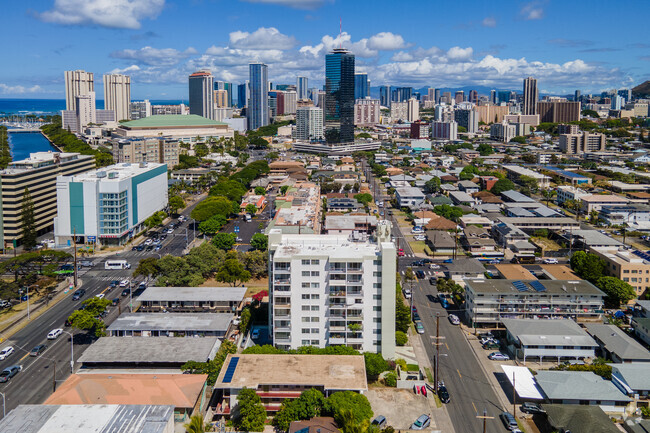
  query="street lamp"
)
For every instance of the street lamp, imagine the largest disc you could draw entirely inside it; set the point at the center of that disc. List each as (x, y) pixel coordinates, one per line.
(71, 351)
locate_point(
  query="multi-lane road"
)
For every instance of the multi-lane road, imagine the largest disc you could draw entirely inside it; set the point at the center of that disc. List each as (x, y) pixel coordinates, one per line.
(40, 374)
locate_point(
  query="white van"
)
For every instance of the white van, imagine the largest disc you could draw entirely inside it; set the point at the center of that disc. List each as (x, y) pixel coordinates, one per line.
(248, 218)
(116, 264)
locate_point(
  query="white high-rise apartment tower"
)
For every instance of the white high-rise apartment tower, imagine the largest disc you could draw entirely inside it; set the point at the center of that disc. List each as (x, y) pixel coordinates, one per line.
(413, 108)
(301, 88)
(77, 83)
(117, 95)
(328, 290)
(309, 123)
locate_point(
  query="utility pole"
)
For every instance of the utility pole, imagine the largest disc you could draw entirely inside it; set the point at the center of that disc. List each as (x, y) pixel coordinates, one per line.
(54, 378)
(485, 418)
(437, 348)
(514, 393)
(74, 245)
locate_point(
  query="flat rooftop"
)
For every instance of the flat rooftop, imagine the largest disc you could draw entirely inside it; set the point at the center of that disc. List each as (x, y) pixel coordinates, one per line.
(577, 385)
(552, 287)
(147, 350)
(514, 272)
(178, 390)
(117, 172)
(562, 332)
(559, 272)
(205, 294)
(332, 372)
(336, 246)
(88, 418)
(170, 121)
(172, 322)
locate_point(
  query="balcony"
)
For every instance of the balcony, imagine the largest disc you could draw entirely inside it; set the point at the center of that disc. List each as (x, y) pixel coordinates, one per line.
(280, 313)
(337, 341)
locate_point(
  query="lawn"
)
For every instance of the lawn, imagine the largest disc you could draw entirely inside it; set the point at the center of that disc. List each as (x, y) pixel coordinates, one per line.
(418, 246)
(546, 244)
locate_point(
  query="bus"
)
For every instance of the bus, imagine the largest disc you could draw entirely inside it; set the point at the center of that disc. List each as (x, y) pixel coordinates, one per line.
(116, 264)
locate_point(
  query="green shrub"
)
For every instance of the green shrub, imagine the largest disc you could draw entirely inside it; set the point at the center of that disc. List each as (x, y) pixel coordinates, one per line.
(412, 367)
(401, 338)
(391, 379)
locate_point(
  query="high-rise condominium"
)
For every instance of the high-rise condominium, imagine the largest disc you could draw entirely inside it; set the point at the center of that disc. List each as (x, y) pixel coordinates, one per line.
(339, 96)
(202, 94)
(301, 88)
(77, 83)
(473, 96)
(576, 96)
(531, 96)
(117, 95)
(258, 106)
(309, 124)
(459, 96)
(243, 93)
(384, 96)
(361, 86)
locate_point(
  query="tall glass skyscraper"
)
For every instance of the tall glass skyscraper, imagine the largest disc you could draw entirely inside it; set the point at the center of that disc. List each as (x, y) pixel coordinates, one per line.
(243, 94)
(339, 96)
(258, 107)
(384, 96)
(361, 86)
(202, 94)
(301, 88)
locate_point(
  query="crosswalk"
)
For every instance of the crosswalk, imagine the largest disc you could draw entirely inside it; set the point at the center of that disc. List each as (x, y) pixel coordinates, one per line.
(428, 272)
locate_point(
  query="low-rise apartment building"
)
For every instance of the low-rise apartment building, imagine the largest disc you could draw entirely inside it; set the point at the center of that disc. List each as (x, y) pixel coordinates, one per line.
(409, 196)
(492, 300)
(626, 266)
(565, 193)
(191, 299)
(598, 201)
(38, 174)
(135, 151)
(331, 290)
(629, 214)
(515, 172)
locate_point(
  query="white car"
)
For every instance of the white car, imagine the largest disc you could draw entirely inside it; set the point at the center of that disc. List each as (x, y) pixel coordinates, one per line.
(124, 283)
(407, 293)
(551, 261)
(100, 296)
(6, 352)
(420, 238)
(417, 230)
(454, 319)
(148, 242)
(54, 334)
(498, 356)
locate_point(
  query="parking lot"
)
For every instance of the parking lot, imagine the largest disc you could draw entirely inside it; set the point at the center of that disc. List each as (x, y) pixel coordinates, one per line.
(401, 406)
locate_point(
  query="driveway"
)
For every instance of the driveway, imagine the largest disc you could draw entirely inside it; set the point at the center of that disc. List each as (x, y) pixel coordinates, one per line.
(400, 406)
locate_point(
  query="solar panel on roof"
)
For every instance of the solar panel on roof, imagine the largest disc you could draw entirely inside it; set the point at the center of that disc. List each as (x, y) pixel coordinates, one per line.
(537, 286)
(230, 371)
(519, 285)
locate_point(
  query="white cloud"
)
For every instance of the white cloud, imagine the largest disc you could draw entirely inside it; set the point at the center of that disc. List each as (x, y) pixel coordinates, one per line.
(458, 54)
(121, 14)
(154, 56)
(128, 70)
(262, 38)
(532, 11)
(328, 43)
(489, 22)
(386, 41)
(19, 90)
(297, 4)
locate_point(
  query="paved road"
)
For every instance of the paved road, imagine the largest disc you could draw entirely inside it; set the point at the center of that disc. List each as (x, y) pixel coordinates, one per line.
(35, 382)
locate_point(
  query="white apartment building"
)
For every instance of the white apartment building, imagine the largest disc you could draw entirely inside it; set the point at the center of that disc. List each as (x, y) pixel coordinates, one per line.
(444, 113)
(515, 172)
(309, 124)
(366, 112)
(327, 290)
(503, 132)
(84, 114)
(117, 95)
(140, 109)
(413, 110)
(109, 205)
(290, 102)
(77, 83)
(399, 111)
(444, 130)
(565, 192)
(409, 196)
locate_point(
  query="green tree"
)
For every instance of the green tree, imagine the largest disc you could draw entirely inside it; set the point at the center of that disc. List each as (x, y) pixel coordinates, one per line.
(196, 424)
(212, 206)
(402, 312)
(260, 190)
(518, 139)
(212, 225)
(87, 319)
(224, 241)
(528, 182)
(28, 221)
(284, 189)
(155, 220)
(308, 405)
(548, 195)
(363, 198)
(176, 272)
(249, 412)
(432, 186)
(232, 271)
(468, 172)
(251, 209)
(244, 320)
(256, 262)
(342, 401)
(401, 338)
(485, 149)
(588, 266)
(391, 379)
(147, 268)
(211, 367)
(375, 365)
(175, 203)
(618, 292)
(452, 213)
(260, 241)
(233, 190)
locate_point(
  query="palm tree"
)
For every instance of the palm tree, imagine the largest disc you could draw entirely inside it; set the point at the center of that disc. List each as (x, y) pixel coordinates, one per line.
(548, 194)
(197, 425)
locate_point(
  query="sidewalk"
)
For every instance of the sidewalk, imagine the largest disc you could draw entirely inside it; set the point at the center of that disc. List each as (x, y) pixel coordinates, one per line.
(440, 415)
(16, 322)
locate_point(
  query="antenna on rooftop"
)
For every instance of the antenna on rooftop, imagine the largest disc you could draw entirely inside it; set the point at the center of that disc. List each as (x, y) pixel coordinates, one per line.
(340, 32)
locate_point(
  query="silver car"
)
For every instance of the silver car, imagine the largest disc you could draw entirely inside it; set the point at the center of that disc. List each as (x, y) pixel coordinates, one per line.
(421, 423)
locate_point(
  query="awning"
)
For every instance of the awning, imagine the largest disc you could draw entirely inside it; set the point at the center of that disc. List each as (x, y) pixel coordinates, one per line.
(525, 383)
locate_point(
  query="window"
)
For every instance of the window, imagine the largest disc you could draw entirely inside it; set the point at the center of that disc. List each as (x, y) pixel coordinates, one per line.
(376, 274)
(376, 308)
(376, 297)
(305, 320)
(305, 273)
(314, 331)
(315, 296)
(305, 285)
(305, 330)
(376, 319)
(376, 331)
(315, 285)
(315, 273)
(315, 308)
(626, 271)
(305, 308)
(376, 285)
(305, 342)
(305, 296)
(314, 342)
(315, 262)
(315, 319)
(305, 262)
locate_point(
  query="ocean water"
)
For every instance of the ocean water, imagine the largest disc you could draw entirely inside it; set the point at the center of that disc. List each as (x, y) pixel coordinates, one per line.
(53, 106)
(23, 143)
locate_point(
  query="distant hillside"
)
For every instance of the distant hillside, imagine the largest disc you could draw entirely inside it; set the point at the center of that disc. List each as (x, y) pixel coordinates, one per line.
(642, 89)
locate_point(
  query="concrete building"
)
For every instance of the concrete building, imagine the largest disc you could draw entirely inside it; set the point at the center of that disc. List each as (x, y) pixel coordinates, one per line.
(491, 301)
(220, 99)
(399, 111)
(140, 109)
(412, 110)
(582, 142)
(492, 113)
(565, 192)
(309, 124)
(188, 325)
(503, 132)
(528, 119)
(117, 95)
(366, 112)
(468, 119)
(634, 215)
(77, 83)
(301, 88)
(617, 345)
(258, 102)
(278, 377)
(192, 299)
(581, 387)
(174, 127)
(558, 111)
(443, 113)
(332, 290)
(515, 172)
(201, 91)
(531, 96)
(85, 113)
(38, 174)
(409, 196)
(626, 266)
(158, 150)
(595, 202)
(444, 130)
(109, 205)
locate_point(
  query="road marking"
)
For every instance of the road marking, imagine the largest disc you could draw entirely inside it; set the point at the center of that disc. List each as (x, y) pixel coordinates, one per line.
(447, 347)
(475, 410)
(459, 375)
(25, 356)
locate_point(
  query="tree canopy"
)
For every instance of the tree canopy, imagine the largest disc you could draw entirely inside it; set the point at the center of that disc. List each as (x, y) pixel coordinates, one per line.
(89, 318)
(618, 292)
(502, 185)
(212, 206)
(588, 266)
(250, 414)
(452, 213)
(260, 241)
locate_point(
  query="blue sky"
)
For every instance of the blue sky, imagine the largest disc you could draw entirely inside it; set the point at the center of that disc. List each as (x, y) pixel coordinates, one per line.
(571, 44)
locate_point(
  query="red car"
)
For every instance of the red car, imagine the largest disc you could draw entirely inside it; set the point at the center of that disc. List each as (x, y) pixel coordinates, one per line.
(400, 252)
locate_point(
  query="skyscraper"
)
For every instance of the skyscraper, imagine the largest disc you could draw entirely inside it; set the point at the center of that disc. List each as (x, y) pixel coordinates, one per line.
(243, 93)
(339, 96)
(117, 95)
(530, 96)
(361, 86)
(384, 96)
(436, 96)
(258, 107)
(473, 96)
(576, 96)
(301, 88)
(493, 96)
(77, 83)
(201, 85)
(309, 124)
(459, 96)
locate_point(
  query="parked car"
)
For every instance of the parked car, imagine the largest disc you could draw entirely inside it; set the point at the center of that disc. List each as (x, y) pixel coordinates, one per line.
(417, 263)
(78, 294)
(4, 353)
(419, 274)
(126, 292)
(255, 334)
(454, 319)
(148, 242)
(443, 394)
(532, 408)
(433, 281)
(550, 261)
(508, 420)
(170, 231)
(54, 334)
(407, 293)
(10, 372)
(419, 328)
(448, 261)
(379, 421)
(498, 356)
(420, 238)
(401, 252)
(38, 350)
(434, 266)
(491, 345)
(421, 423)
